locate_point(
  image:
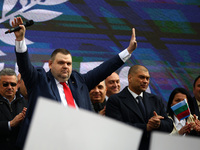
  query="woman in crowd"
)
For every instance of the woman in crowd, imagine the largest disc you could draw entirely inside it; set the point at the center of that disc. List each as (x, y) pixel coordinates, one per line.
(189, 125)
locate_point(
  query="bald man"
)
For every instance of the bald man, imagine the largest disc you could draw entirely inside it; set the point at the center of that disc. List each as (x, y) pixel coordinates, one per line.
(112, 84)
(138, 108)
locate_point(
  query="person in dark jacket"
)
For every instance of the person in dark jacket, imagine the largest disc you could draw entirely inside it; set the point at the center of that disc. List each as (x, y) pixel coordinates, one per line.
(138, 108)
(61, 78)
(196, 92)
(98, 98)
(12, 109)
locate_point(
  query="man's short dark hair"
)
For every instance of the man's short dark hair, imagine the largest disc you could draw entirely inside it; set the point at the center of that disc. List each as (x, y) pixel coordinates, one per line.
(135, 68)
(59, 50)
(195, 81)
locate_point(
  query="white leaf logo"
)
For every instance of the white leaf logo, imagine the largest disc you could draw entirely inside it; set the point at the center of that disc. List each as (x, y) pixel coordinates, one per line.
(2, 54)
(39, 15)
(23, 2)
(8, 5)
(52, 2)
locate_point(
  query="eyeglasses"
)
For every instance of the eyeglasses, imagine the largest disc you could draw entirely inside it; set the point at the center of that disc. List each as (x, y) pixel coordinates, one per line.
(11, 83)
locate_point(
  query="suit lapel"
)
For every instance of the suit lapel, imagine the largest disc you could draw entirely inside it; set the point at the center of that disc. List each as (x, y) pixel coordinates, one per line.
(131, 103)
(54, 86)
(76, 88)
(148, 104)
(72, 86)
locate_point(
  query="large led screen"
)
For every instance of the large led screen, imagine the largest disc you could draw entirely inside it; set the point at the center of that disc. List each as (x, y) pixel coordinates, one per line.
(167, 32)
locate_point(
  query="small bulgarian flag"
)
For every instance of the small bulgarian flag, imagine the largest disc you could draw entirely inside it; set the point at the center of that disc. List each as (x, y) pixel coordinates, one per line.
(181, 110)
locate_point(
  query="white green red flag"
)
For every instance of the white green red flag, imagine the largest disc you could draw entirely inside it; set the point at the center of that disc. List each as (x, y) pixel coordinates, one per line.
(181, 110)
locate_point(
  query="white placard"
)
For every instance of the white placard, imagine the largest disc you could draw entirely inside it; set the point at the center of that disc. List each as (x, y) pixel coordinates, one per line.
(160, 140)
(56, 127)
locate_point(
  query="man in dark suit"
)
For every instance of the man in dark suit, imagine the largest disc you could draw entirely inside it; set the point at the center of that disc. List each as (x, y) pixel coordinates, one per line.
(12, 109)
(98, 98)
(138, 108)
(40, 83)
(196, 98)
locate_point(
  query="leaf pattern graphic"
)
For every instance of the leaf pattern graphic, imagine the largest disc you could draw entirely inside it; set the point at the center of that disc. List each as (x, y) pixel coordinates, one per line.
(2, 54)
(23, 2)
(10, 38)
(8, 5)
(52, 2)
(39, 15)
(10, 21)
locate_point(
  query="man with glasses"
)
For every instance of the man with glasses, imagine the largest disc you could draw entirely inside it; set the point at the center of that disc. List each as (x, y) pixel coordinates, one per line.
(98, 98)
(12, 109)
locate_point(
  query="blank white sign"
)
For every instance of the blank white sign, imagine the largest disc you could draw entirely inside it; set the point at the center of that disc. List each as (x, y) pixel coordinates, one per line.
(162, 141)
(56, 127)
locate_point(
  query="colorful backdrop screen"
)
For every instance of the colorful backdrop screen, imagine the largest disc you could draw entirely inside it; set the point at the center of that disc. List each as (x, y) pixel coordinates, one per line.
(95, 30)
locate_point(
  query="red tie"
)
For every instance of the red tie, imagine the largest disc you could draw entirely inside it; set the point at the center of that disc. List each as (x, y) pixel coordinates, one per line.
(68, 95)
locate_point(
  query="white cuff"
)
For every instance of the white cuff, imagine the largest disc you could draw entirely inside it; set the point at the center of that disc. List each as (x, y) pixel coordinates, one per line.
(124, 55)
(20, 46)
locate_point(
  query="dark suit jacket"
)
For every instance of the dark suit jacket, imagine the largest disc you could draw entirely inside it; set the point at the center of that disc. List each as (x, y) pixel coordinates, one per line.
(123, 107)
(7, 113)
(40, 83)
(196, 108)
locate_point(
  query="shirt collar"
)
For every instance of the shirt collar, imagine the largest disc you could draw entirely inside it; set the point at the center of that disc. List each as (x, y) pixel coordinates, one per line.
(178, 123)
(8, 100)
(198, 102)
(57, 83)
(134, 94)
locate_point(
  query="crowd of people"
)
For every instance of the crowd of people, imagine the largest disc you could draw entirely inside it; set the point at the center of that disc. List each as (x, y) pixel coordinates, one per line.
(97, 91)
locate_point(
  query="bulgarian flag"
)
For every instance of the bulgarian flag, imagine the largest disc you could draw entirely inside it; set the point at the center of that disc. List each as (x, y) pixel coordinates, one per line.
(181, 110)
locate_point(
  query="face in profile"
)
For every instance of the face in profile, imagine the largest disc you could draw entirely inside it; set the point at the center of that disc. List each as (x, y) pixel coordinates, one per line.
(196, 90)
(178, 98)
(112, 84)
(97, 94)
(61, 67)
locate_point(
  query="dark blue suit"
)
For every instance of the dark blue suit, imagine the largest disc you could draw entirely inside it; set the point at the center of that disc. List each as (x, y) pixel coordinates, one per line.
(123, 107)
(196, 108)
(40, 83)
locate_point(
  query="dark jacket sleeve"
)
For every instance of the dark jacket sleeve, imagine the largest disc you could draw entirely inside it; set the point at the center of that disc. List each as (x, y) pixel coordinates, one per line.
(98, 74)
(166, 124)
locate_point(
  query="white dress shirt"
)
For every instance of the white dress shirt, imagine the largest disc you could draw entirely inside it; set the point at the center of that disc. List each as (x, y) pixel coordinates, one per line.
(135, 95)
(179, 124)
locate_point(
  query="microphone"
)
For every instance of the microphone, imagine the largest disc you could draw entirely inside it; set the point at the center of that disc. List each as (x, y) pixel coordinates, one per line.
(26, 24)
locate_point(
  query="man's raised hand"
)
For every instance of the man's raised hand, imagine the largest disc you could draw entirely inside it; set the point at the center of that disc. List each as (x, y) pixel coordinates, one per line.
(133, 43)
(21, 33)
